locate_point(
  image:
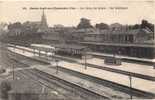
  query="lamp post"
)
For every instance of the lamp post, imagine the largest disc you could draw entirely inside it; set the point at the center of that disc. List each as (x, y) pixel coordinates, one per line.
(84, 58)
(33, 51)
(46, 54)
(85, 61)
(13, 72)
(57, 66)
(51, 51)
(130, 79)
(39, 53)
(14, 47)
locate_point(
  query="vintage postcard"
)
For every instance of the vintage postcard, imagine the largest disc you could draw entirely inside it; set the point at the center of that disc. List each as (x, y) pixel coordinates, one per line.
(77, 50)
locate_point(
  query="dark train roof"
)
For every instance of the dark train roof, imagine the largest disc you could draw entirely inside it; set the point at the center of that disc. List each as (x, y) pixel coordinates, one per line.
(121, 44)
(68, 46)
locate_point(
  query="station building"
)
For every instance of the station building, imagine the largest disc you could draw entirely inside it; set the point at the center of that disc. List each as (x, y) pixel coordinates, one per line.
(135, 43)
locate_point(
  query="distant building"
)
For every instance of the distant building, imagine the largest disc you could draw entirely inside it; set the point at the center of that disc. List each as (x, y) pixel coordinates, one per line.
(32, 24)
(43, 24)
(119, 36)
(38, 26)
(3, 26)
(59, 34)
(116, 26)
(58, 26)
(52, 36)
(133, 42)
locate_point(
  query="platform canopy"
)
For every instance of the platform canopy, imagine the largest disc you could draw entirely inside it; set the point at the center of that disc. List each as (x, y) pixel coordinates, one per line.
(45, 47)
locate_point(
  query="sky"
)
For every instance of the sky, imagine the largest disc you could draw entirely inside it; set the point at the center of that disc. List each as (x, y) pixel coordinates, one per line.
(129, 12)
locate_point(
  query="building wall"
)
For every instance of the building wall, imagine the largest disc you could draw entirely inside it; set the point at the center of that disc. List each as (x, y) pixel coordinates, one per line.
(115, 38)
(119, 36)
(140, 52)
(94, 38)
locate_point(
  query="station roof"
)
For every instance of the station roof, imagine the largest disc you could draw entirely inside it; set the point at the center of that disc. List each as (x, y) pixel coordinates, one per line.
(42, 46)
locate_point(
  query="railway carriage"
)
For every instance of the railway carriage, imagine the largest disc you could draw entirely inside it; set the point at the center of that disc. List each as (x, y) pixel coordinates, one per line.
(61, 49)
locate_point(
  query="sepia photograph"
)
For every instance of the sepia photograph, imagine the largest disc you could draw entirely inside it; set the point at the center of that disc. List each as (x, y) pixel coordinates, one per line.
(77, 50)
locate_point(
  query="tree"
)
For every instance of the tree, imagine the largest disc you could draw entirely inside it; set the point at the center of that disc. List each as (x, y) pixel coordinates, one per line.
(84, 23)
(136, 26)
(146, 24)
(102, 26)
(16, 25)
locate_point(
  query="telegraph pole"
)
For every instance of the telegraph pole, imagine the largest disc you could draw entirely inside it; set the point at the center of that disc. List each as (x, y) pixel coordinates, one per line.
(154, 44)
(154, 33)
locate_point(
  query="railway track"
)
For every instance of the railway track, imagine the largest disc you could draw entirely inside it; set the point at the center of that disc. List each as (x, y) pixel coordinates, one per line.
(106, 83)
(126, 89)
(74, 89)
(61, 92)
(47, 80)
(135, 92)
(68, 90)
(146, 77)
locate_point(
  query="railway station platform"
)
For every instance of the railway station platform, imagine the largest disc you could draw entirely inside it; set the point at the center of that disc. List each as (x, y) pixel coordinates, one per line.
(126, 66)
(137, 83)
(143, 69)
(123, 57)
(95, 87)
